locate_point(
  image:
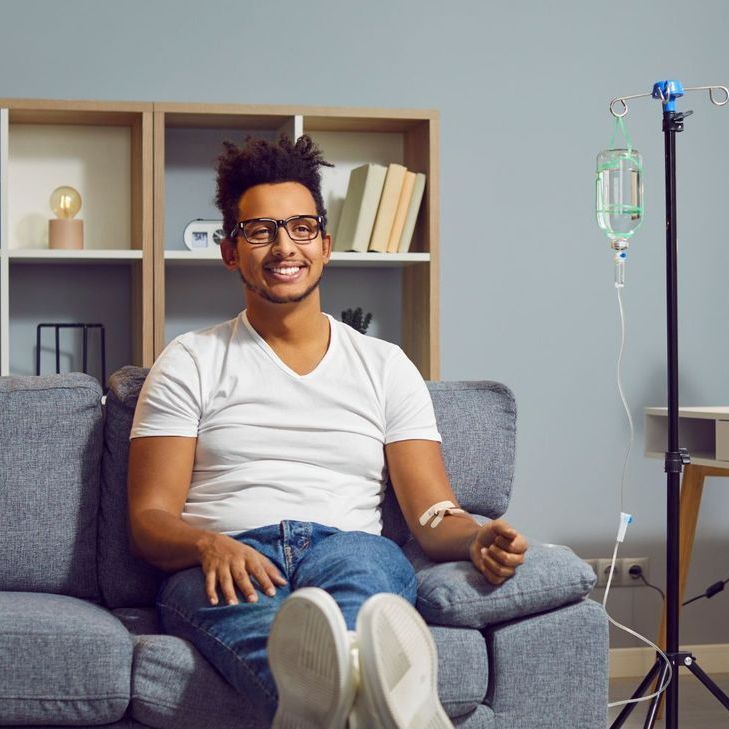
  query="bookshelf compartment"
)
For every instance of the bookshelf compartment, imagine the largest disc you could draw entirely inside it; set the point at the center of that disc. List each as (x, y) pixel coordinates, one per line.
(96, 160)
(190, 176)
(348, 150)
(377, 291)
(61, 292)
(191, 145)
(188, 308)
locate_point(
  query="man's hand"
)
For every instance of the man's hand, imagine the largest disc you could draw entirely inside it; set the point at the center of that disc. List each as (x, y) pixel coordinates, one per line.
(230, 564)
(497, 550)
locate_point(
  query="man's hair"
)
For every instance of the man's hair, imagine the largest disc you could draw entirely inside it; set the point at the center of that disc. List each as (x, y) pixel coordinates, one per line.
(263, 162)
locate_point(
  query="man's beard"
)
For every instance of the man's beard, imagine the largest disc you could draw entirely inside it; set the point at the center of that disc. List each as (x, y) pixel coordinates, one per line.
(268, 296)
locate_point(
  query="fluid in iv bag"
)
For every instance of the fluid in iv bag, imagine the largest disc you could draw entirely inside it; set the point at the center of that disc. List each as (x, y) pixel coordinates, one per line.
(619, 194)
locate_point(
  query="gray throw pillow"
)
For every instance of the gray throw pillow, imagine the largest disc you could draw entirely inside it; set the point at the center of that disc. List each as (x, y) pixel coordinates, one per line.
(455, 594)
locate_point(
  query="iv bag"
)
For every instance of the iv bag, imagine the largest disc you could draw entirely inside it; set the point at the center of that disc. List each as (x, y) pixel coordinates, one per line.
(619, 194)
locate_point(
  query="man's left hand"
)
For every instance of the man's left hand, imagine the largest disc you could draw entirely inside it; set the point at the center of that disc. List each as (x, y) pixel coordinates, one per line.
(497, 550)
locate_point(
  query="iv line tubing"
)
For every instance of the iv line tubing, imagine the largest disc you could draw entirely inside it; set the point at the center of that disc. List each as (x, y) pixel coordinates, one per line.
(622, 397)
(667, 679)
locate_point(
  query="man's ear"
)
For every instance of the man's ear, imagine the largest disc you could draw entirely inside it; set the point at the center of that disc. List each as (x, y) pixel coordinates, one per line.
(229, 253)
(326, 247)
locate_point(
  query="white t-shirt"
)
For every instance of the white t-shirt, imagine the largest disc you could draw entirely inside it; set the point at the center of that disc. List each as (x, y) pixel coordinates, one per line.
(275, 445)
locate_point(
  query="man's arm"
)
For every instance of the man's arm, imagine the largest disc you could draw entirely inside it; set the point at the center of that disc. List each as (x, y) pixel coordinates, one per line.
(419, 479)
(160, 470)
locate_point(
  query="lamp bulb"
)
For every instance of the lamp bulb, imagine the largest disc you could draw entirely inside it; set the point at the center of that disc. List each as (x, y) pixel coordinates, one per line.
(65, 202)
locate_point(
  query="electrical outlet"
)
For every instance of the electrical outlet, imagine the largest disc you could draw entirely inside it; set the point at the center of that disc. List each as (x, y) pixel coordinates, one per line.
(627, 579)
(621, 573)
(603, 572)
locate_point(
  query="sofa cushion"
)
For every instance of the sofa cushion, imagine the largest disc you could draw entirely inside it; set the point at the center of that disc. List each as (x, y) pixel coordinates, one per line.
(477, 421)
(124, 579)
(63, 661)
(461, 691)
(454, 593)
(559, 661)
(51, 435)
(174, 687)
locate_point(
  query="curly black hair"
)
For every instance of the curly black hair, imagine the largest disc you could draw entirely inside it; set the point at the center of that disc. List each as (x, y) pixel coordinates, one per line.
(261, 162)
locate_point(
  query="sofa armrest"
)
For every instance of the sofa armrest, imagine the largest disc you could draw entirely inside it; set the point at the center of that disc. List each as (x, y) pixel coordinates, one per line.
(456, 594)
(559, 660)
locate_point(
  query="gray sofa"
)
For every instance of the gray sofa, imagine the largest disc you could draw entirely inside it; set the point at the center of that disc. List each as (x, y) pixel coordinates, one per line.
(79, 641)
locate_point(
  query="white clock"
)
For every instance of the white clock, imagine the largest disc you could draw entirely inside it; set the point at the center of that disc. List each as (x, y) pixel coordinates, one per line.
(201, 233)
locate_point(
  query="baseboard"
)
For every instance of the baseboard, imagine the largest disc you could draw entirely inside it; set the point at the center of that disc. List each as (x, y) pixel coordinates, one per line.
(626, 662)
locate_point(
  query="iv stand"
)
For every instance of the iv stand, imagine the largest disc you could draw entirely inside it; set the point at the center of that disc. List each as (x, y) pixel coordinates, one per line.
(676, 458)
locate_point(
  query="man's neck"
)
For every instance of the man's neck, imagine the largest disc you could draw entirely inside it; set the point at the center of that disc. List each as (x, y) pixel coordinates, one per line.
(296, 325)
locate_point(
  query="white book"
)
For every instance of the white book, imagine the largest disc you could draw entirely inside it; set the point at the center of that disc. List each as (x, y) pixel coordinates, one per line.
(388, 207)
(412, 215)
(360, 208)
(403, 205)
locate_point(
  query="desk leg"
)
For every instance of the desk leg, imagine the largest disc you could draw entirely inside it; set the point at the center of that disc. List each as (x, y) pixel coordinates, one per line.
(692, 486)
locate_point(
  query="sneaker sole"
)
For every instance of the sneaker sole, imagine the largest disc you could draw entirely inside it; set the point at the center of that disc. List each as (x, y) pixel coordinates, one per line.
(308, 652)
(398, 665)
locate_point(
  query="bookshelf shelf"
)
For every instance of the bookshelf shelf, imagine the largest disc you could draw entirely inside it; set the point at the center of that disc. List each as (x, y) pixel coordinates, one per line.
(158, 175)
(339, 258)
(28, 255)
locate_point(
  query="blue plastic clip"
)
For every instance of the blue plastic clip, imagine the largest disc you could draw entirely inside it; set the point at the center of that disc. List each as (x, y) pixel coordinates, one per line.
(667, 92)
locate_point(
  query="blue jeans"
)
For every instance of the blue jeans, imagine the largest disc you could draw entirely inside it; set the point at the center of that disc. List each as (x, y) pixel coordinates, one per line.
(350, 566)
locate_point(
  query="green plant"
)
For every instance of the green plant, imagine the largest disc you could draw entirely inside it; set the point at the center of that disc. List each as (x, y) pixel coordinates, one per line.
(356, 320)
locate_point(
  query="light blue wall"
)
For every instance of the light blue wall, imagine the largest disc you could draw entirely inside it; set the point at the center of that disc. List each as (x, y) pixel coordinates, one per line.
(526, 286)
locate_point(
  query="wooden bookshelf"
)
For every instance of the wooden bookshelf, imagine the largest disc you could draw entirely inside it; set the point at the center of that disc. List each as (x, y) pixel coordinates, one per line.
(159, 175)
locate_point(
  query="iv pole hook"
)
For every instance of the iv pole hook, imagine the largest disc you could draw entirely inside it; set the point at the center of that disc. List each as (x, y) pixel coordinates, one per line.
(718, 99)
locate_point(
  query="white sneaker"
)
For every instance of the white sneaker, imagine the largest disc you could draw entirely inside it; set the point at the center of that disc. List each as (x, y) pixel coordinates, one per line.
(309, 656)
(398, 668)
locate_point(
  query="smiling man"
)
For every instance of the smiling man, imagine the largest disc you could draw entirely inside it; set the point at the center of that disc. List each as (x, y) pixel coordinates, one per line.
(260, 452)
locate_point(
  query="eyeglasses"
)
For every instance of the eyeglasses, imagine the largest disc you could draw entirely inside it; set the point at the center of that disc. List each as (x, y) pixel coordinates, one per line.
(261, 231)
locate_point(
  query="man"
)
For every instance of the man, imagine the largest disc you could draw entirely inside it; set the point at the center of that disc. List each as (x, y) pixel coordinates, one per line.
(260, 448)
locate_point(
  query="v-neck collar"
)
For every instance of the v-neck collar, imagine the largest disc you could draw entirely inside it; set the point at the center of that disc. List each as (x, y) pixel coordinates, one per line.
(266, 347)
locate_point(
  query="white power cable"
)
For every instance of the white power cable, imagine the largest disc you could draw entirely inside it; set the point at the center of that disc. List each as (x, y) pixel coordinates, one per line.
(624, 521)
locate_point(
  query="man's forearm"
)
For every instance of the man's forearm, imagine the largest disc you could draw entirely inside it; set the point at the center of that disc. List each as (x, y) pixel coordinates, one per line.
(166, 541)
(450, 540)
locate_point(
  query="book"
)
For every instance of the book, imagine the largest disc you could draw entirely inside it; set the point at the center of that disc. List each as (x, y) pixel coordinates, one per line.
(387, 208)
(406, 236)
(360, 208)
(401, 212)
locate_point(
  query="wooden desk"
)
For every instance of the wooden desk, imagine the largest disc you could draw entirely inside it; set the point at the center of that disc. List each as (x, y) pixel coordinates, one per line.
(705, 433)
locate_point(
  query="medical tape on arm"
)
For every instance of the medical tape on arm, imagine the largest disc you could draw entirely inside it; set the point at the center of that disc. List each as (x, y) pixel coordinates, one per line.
(438, 511)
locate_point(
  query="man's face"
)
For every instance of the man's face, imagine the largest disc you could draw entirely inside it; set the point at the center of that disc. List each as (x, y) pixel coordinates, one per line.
(283, 271)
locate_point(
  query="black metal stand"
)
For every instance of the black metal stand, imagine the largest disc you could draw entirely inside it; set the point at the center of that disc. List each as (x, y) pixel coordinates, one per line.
(675, 459)
(85, 327)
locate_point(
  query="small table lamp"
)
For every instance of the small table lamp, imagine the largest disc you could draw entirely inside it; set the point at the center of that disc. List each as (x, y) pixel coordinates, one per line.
(64, 232)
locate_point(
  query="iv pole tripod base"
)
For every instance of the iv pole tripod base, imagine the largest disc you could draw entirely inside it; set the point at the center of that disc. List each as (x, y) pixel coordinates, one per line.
(675, 459)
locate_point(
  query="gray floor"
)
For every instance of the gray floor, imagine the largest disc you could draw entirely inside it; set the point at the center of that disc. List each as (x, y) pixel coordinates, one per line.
(697, 708)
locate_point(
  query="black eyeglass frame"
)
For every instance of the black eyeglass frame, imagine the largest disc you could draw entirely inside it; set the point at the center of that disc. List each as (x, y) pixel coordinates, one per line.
(279, 224)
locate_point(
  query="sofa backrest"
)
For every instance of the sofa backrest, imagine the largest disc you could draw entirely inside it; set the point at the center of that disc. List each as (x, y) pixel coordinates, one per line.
(477, 421)
(51, 430)
(125, 580)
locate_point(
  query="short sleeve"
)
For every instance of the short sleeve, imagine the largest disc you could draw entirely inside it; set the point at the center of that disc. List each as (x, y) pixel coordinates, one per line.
(170, 400)
(408, 407)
